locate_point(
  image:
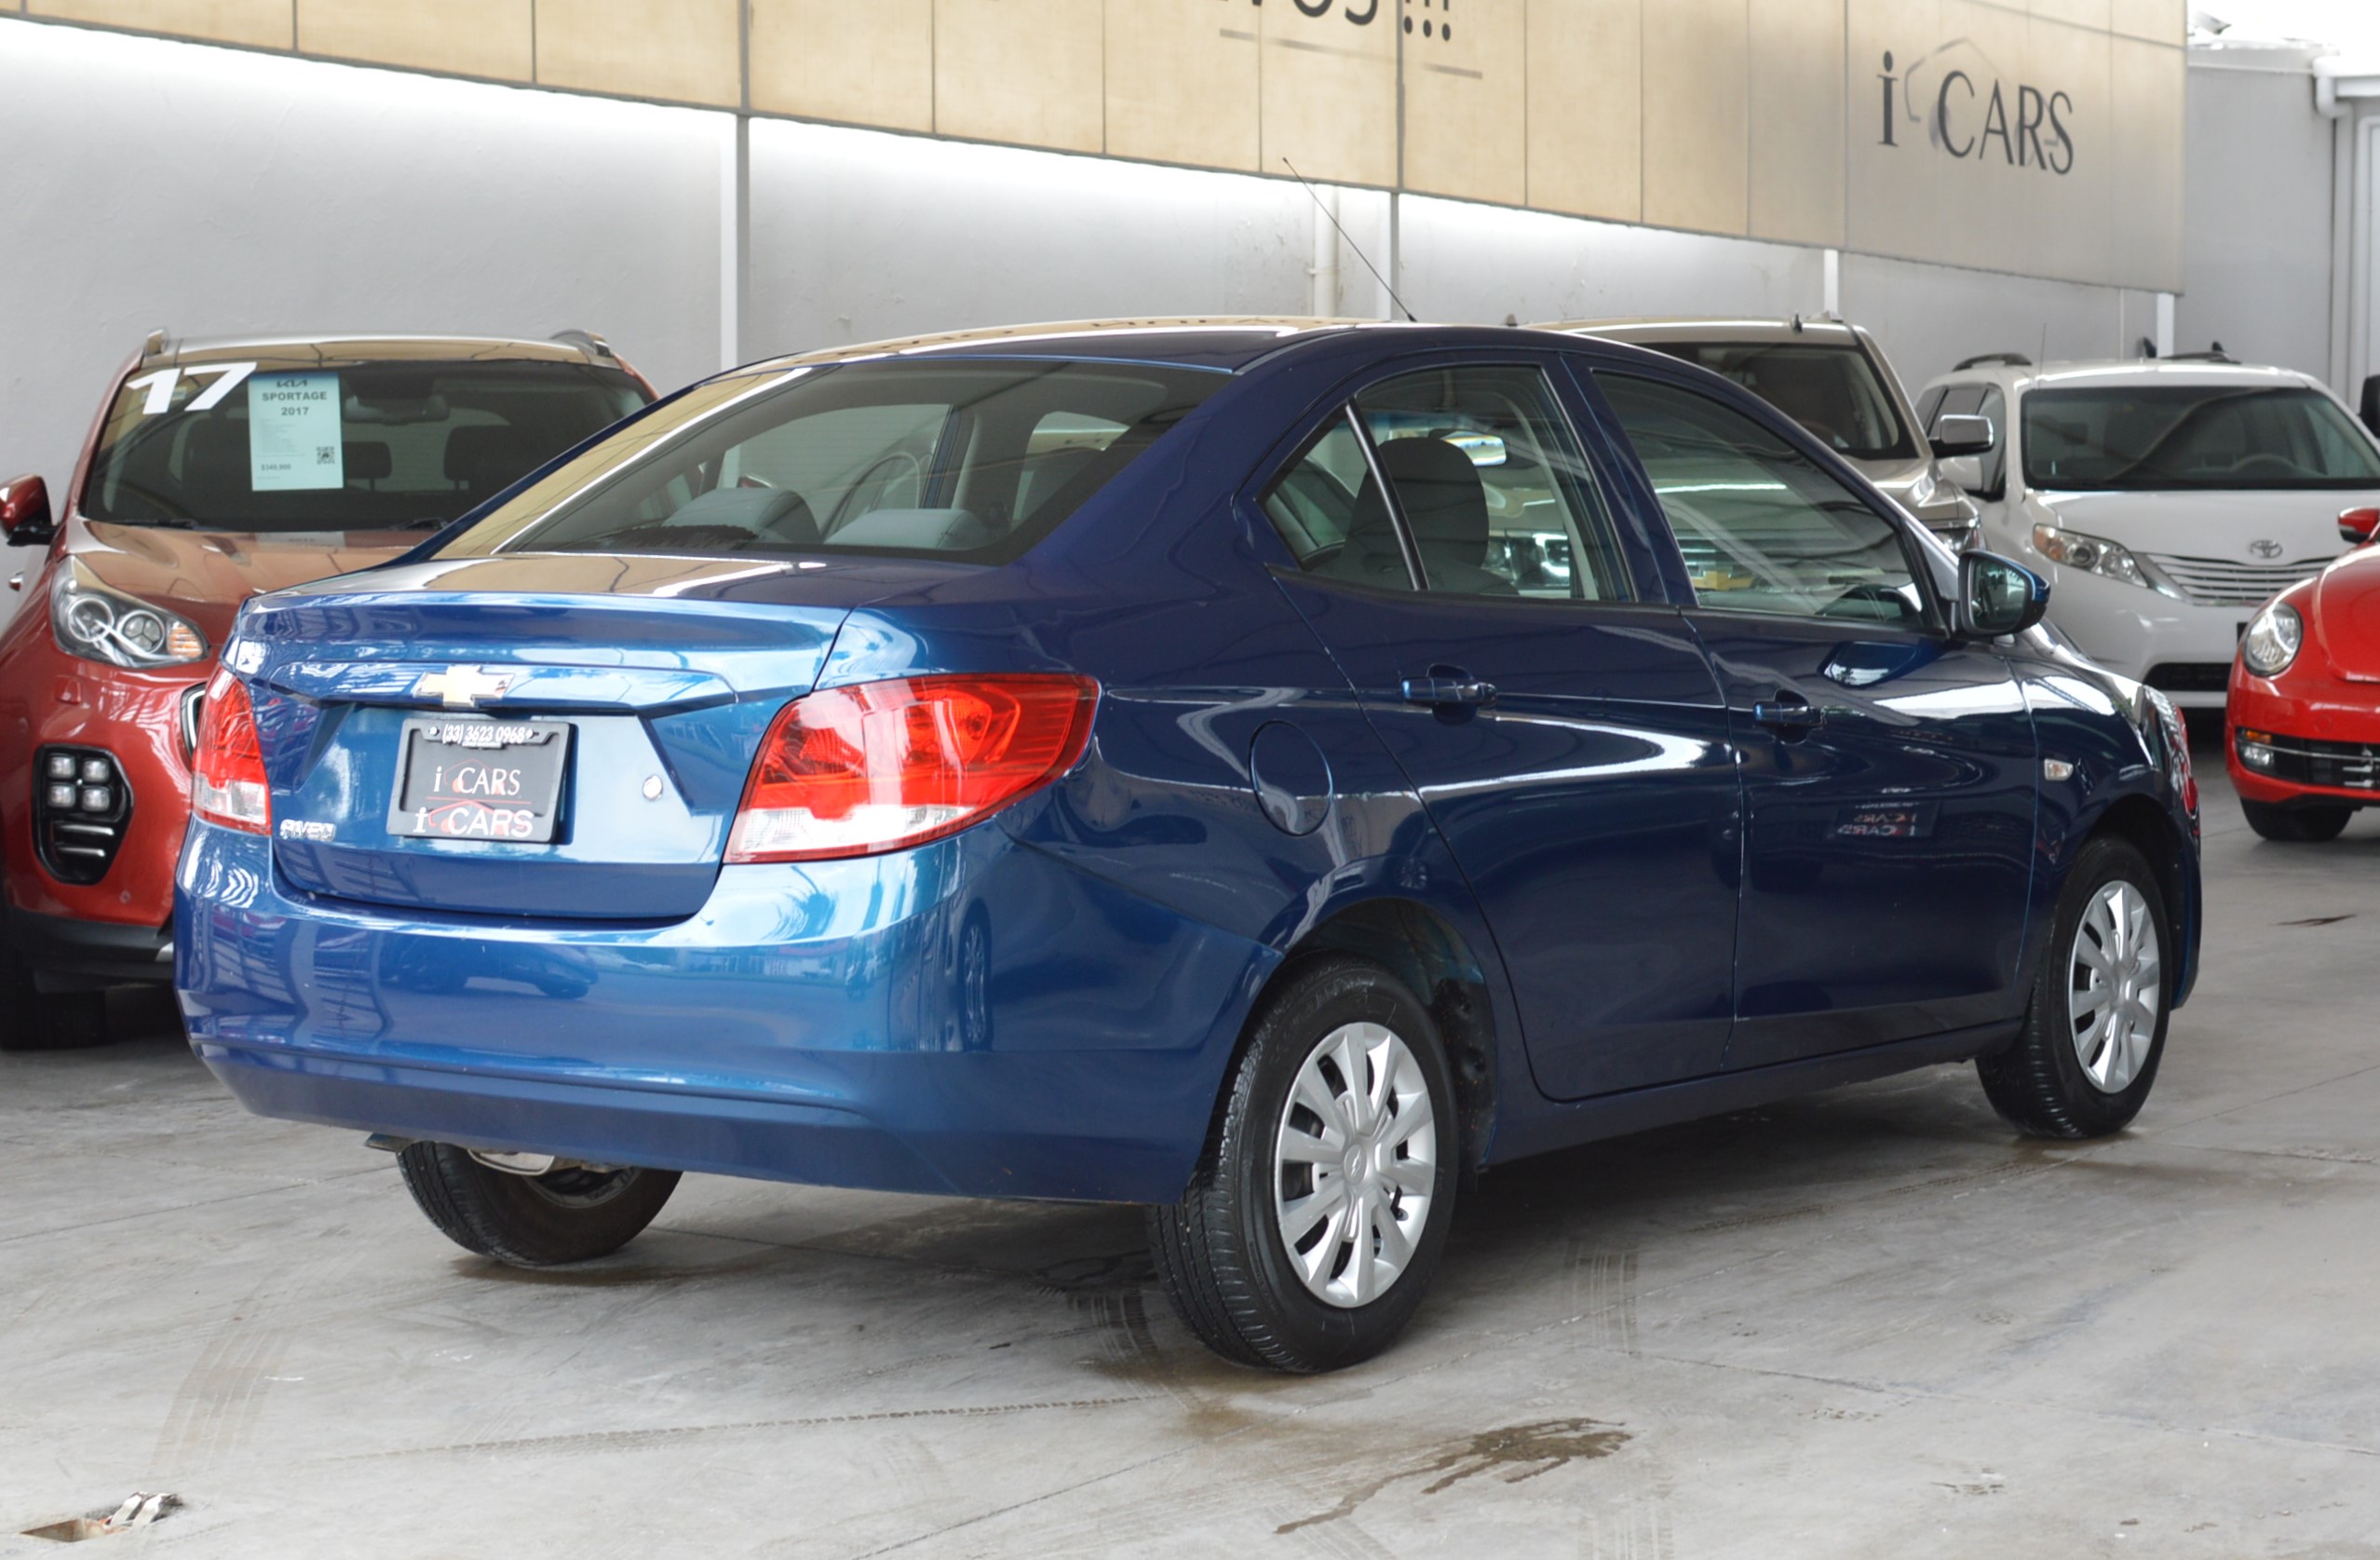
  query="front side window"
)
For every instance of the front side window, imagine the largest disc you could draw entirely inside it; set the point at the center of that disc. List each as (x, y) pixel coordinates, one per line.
(1833, 391)
(2127, 437)
(1761, 529)
(268, 447)
(968, 460)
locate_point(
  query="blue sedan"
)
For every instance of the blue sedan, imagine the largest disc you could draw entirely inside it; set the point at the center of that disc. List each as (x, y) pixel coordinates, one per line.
(1261, 770)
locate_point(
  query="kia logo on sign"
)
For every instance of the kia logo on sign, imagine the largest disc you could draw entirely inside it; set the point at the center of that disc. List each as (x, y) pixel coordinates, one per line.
(2265, 549)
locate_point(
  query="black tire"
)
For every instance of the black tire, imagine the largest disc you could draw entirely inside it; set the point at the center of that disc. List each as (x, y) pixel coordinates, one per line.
(2297, 825)
(532, 1221)
(1222, 1257)
(2039, 1084)
(34, 1020)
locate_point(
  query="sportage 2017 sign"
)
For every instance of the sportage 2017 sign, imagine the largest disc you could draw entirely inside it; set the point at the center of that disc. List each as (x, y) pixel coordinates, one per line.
(1968, 117)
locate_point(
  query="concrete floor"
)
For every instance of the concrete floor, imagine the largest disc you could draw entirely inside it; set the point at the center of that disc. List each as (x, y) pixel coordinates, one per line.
(1869, 1323)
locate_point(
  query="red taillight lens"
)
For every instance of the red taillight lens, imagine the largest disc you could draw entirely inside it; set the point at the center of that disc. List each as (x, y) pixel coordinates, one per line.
(227, 783)
(885, 765)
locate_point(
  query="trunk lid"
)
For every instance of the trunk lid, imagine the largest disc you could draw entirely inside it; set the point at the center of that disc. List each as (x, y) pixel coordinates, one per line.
(660, 674)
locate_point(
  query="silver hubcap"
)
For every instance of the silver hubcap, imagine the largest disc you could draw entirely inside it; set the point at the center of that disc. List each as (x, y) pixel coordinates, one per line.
(2114, 986)
(1355, 1163)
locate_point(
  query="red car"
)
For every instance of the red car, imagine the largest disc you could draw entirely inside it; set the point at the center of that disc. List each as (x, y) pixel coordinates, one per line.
(2303, 719)
(216, 470)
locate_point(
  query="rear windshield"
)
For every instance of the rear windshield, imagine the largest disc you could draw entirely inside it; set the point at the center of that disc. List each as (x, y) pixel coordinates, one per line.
(1833, 391)
(2193, 436)
(351, 447)
(973, 461)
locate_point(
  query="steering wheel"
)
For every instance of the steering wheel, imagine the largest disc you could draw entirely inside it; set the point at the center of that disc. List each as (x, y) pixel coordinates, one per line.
(867, 481)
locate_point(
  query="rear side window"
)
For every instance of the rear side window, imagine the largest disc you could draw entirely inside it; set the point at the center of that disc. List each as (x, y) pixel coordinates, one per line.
(1492, 495)
(974, 461)
(1762, 528)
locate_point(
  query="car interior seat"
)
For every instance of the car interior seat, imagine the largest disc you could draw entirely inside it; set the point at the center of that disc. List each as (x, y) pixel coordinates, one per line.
(1445, 504)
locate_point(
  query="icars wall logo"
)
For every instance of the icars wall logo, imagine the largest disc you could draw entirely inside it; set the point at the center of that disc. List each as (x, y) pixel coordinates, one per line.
(1971, 112)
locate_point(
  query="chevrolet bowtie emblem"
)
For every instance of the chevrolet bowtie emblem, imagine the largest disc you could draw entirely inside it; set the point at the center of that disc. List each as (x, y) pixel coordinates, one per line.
(462, 687)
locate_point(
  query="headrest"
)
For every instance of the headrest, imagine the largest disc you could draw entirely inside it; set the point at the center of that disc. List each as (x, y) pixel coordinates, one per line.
(770, 514)
(1441, 492)
(366, 459)
(485, 457)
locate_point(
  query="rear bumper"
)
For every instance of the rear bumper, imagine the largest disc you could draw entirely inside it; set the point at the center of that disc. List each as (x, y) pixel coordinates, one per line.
(68, 955)
(971, 1017)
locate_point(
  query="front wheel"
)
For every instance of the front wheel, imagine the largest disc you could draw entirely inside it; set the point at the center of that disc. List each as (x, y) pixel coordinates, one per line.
(571, 1213)
(1321, 1207)
(2094, 1031)
(2299, 825)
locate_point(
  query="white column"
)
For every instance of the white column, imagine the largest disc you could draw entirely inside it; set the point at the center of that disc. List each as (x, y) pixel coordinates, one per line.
(2165, 325)
(1833, 290)
(735, 236)
(1322, 290)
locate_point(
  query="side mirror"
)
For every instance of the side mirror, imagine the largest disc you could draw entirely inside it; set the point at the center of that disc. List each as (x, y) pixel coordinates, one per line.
(1963, 472)
(2357, 527)
(1997, 597)
(2368, 406)
(1964, 433)
(24, 512)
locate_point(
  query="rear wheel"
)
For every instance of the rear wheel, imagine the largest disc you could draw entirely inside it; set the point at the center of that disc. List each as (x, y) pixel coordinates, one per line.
(34, 1020)
(570, 1214)
(2300, 825)
(1321, 1208)
(2094, 1032)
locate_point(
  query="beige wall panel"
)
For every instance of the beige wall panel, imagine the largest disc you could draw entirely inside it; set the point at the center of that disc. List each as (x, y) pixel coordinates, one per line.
(2061, 223)
(2146, 215)
(2164, 22)
(1797, 115)
(1585, 107)
(1329, 95)
(1696, 115)
(468, 37)
(1466, 101)
(1181, 83)
(263, 23)
(1025, 72)
(2081, 13)
(677, 50)
(870, 64)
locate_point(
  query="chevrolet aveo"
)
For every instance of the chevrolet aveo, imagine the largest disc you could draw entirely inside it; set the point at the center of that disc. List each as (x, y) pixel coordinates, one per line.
(1127, 763)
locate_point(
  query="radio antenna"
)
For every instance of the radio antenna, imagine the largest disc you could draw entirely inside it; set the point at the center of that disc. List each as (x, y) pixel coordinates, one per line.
(1368, 266)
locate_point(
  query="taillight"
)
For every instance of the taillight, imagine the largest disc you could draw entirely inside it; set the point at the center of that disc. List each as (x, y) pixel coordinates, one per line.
(878, 766)
(227, 783)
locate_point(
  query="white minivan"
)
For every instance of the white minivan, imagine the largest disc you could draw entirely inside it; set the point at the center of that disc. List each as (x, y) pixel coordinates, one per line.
(2164, 500)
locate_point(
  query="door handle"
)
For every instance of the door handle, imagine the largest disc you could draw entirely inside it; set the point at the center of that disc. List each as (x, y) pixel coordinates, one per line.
(1788, 712)
(1444, 691)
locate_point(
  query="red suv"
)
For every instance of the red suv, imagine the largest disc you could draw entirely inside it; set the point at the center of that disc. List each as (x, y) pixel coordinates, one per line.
(217, 470)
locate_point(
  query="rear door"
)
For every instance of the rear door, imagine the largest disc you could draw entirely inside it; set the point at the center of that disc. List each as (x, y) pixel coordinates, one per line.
(1454, 549)
(1888, 768)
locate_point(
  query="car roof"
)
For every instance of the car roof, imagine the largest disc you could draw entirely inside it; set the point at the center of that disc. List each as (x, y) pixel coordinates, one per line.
(1226, 343)
(1647, 328)
(370, 348)
(2134, 371)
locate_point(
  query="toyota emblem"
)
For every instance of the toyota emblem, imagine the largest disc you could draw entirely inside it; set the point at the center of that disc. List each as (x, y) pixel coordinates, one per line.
(2265, 549)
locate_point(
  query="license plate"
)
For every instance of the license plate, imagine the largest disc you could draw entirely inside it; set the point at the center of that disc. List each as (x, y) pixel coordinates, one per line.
(478, 779)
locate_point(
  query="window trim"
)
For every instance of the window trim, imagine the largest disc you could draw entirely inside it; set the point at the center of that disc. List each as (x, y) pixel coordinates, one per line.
(1937, 615)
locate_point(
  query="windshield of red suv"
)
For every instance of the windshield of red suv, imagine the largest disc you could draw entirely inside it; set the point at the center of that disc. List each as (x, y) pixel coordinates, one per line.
(2122, 437)
(1833, 391)
(368, 447)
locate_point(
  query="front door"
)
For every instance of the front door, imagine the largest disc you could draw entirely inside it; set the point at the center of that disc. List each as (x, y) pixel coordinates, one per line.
(1890, 771)
(1457, 558)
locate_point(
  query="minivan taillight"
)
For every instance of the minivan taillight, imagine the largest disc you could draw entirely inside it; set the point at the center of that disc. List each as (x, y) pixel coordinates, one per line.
(227, 783)
(878, 766)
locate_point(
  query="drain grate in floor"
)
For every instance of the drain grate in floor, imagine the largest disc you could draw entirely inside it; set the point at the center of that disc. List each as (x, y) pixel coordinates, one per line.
(139, 1511)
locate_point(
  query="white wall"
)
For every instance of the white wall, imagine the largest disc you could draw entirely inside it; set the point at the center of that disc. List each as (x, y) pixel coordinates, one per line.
(213, 191)
(1929, 317)
(2257, 219)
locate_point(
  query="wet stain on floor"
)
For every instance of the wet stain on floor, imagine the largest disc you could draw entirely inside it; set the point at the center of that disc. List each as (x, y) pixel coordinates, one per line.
(1518, 1451)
